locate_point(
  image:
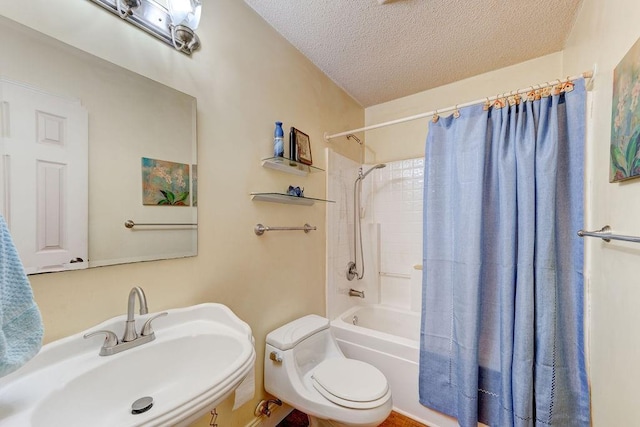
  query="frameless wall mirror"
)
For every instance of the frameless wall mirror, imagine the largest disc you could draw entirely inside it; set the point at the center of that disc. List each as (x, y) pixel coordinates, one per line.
(86, 146)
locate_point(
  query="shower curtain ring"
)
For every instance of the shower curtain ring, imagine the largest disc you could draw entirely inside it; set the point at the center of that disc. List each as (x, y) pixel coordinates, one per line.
(557, 88)
(498, 102)
(456, 112)
(568, 86)
(435, 117)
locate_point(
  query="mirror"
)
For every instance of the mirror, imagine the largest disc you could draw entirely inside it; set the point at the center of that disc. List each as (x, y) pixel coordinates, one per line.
(135, 130)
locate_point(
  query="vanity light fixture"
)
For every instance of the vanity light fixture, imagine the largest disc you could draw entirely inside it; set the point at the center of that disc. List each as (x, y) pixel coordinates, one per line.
(174, 24)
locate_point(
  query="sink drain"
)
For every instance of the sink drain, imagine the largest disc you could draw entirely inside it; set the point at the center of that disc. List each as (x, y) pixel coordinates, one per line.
(142, 405)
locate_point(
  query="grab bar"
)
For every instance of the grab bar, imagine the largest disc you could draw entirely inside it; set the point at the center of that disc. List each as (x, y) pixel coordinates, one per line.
(259, 229)
(397, 275)
(130, 224)
(605, 234)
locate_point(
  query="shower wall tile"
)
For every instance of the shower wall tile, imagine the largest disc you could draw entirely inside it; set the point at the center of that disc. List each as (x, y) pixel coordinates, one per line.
(397, 207)
(396, 292)
(341, 174)
(392, 233)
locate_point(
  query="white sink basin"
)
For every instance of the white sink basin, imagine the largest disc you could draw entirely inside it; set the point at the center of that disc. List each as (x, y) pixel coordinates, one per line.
(199, 357)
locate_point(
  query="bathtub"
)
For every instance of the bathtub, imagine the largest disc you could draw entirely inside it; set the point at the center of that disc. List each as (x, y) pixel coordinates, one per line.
(388, 339)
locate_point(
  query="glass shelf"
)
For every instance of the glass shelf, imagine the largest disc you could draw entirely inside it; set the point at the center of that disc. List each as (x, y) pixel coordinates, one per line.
(285, 198)
(287, 165)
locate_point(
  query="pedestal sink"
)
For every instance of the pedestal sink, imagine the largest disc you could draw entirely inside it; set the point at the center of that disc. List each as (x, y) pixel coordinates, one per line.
(199, 357)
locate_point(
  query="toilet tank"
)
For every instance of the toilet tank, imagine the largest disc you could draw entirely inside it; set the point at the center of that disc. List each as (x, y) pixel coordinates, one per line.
(290, 335)
(306, 342)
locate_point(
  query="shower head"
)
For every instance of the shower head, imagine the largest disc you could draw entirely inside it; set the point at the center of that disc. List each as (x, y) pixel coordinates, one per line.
(378, 166)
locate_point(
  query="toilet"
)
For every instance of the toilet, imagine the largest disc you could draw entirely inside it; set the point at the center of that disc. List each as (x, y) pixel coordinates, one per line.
(304, 368)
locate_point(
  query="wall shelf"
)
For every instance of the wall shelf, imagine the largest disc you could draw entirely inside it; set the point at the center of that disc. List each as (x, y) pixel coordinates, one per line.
(284, 164)
(287, 199)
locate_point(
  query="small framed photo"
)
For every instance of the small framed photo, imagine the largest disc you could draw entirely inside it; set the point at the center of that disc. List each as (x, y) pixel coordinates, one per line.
(303, 147)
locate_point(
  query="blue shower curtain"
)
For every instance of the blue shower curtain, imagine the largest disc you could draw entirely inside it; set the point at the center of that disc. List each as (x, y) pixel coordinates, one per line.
(502, 321)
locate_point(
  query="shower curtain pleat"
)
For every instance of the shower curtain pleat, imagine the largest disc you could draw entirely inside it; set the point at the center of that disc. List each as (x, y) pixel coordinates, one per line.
(502, 319)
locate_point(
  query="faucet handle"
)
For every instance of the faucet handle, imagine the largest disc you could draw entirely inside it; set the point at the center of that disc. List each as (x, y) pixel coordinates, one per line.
(110, 339)
(146, 328)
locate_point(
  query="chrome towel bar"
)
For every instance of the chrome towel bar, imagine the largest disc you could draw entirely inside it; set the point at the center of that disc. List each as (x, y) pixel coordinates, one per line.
(605, 234)
(259, 229)
(130, 224)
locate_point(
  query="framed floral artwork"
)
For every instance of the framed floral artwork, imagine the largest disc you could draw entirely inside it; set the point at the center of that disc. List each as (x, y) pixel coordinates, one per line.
(625, 118)
(165, 183)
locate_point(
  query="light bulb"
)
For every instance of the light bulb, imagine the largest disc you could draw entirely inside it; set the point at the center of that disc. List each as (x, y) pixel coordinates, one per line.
(185, 12)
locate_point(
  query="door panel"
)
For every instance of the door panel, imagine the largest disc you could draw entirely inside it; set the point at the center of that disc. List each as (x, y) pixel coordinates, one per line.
(45, 167)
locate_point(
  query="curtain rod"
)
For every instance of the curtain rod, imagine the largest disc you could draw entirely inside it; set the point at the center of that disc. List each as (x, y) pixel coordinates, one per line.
(586, 75)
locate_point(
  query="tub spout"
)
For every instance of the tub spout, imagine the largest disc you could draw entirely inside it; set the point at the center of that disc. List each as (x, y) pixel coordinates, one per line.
(354, 293)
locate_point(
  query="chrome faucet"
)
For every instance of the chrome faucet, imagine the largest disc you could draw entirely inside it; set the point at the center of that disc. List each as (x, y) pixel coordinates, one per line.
(130, 339)
(130, 333)
(354, 293)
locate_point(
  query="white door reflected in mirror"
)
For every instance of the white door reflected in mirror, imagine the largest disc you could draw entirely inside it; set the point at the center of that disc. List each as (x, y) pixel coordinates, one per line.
(45, 177)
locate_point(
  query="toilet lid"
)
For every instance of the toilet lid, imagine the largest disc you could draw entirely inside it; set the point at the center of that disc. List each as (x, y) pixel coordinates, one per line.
(349, 382)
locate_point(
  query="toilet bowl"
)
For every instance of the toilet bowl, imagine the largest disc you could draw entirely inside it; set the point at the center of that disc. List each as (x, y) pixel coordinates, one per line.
(305, 368)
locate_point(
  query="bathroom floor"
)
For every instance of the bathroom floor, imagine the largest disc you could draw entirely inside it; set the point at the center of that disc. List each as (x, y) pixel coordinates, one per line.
(299, 419)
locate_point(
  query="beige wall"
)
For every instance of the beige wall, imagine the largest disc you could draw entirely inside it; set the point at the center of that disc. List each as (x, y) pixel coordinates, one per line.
(406, 140)
(602, 35)
(245, 77)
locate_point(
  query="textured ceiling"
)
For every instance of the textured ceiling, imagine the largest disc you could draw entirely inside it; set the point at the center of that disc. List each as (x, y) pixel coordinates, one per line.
(379, 50)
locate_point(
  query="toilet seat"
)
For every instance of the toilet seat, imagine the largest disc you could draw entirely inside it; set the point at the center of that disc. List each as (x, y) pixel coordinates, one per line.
(350, 383)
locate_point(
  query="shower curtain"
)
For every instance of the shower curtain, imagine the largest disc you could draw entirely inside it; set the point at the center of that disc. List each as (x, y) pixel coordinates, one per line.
(502, 320)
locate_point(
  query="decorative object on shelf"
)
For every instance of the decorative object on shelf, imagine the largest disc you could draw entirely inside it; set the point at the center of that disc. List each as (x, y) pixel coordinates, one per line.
(164, 183)
(625, 118)
(174, 24)
(303, 146)
(295, 191)
(292, 145)
(278, 141)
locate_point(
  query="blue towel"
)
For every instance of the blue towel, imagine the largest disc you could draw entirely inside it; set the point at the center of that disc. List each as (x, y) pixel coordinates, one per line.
(20, 322)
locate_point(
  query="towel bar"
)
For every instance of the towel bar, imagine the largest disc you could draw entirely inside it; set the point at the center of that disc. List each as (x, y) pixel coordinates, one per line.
(130, 224)
(605, 234)
(259, 229)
